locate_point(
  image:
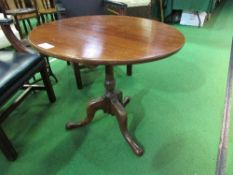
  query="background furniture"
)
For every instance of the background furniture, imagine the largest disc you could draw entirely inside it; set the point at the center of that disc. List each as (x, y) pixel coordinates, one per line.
(98, 40)
(18, 12)
(144, 8)
(47, 8)
(92, 7)
(139, 8)
(4, 41)
(16, 68)
(190, 5)
(22, 10)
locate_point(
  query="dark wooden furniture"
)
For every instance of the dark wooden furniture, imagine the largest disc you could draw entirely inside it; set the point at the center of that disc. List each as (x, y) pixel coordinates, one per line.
(93, 7)
(144, 8)
(109, 41)
(18, 14)
(16, 68)
(74, 8)
(139, 8)
(161, 8)
(46, 8)
(22, 10)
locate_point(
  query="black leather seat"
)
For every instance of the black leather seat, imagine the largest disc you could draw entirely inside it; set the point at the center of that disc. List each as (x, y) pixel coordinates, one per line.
(16, 69)
(13, 65)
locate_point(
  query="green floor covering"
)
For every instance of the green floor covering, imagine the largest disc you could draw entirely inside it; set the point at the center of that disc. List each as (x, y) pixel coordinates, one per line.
(175, 113)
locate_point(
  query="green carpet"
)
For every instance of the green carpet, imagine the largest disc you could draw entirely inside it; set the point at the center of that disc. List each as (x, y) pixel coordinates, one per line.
(175, 113)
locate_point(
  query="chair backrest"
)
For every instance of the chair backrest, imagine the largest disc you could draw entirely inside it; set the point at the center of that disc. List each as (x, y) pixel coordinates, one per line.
(15, 4)
(45, 4)
(15, 42)
(83, 7)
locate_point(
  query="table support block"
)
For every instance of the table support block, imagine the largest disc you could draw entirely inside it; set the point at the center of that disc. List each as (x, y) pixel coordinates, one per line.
(112, 103)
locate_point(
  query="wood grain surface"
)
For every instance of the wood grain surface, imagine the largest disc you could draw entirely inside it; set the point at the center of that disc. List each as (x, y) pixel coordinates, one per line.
(109, 40)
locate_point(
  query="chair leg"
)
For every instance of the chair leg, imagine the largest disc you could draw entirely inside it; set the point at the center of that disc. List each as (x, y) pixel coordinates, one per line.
(6, 146)
(50, 69)
(161, 10)
(38, 20)
(42, 18)
(29, 23)
(47, 83)
(50, 17)
(47, 17)
(56, 16)
(25, 27)
(129, 69)
(77, 74)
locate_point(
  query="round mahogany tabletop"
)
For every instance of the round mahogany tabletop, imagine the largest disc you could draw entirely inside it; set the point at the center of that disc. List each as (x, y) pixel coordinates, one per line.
(109, 40)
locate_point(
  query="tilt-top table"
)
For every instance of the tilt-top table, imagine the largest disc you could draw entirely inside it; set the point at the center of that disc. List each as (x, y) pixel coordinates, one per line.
(109, 41)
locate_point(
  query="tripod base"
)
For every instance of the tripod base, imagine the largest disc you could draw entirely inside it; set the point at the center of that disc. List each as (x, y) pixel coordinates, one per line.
(112, 103)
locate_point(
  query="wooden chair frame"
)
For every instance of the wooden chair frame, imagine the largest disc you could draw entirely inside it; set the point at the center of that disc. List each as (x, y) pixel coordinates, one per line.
(5, 144)
(22, 10)
(45, 8)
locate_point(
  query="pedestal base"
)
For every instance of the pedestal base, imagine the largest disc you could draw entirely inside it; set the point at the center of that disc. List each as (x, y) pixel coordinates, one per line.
(112, 103)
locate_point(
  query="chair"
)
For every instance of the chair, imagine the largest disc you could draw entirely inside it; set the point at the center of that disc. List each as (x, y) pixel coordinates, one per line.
(92, 7)
(22, 10)
(26, 8)
(161, 4)
(16, 68)
(161, 10)
(4, 41)
(139, 8)
(144, 8)
(45, 8)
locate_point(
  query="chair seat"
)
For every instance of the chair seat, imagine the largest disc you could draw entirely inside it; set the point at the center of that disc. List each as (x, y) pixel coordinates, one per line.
(46, 11)
(13, 66)
(27, 16)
